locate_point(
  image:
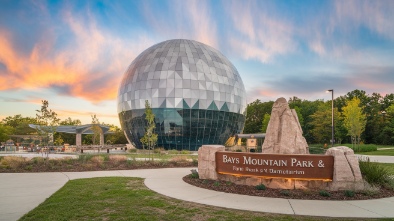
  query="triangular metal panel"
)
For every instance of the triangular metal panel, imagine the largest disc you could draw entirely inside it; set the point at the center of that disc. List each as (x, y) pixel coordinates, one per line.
(224, 107)
(212, 106)
(185, 105)
(196, 105)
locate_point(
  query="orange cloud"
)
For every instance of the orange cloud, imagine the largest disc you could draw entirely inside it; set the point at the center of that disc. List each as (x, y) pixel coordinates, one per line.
(90, 66)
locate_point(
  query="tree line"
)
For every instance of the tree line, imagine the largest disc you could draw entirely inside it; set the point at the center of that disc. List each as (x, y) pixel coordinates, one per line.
(19, 125)
(358, 117)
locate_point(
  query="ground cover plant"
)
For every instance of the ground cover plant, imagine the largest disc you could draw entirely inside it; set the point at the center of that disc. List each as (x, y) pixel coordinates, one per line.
(92, 162)
(125, 198)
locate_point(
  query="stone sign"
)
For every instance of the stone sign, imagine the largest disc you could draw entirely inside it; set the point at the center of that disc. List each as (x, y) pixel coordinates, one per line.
(311, 167)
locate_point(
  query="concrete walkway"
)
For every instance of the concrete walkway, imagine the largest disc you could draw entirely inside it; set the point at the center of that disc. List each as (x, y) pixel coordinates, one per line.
(21, 192)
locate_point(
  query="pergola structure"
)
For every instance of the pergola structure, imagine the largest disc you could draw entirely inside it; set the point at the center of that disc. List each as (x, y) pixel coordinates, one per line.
(79, 130)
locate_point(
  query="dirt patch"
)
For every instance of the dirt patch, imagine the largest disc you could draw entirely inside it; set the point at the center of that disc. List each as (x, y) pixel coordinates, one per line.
(228, 187)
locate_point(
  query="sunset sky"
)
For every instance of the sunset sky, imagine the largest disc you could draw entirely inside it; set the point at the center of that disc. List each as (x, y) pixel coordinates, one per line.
(74, 53)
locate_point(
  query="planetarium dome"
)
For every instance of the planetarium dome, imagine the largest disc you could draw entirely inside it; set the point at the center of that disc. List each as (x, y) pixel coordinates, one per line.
(195, 92)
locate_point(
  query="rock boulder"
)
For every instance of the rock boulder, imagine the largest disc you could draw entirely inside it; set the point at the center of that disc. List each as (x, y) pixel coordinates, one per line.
(284, 133)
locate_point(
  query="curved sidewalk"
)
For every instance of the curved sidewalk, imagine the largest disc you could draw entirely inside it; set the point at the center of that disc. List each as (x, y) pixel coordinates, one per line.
(21, 192)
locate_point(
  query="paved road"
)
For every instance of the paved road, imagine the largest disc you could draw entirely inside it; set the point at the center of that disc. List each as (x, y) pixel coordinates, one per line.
(21, 192)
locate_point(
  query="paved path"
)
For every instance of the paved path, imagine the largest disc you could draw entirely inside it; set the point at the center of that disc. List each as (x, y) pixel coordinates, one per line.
(380, 159)
(21, 192)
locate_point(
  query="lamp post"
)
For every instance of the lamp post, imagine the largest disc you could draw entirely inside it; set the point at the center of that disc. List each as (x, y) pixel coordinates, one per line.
(332, 116)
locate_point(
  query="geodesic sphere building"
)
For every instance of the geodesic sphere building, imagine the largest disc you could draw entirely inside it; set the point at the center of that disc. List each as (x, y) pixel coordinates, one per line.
(195, 93)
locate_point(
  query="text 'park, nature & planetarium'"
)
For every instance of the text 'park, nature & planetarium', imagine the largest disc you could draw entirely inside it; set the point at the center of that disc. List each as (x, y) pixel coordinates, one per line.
(195, 92)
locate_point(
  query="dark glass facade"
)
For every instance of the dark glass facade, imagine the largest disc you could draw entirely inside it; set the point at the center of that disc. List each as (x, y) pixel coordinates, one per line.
(184, 129)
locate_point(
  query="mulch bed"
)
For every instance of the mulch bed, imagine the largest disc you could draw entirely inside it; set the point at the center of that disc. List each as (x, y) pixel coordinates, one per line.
(228, 187)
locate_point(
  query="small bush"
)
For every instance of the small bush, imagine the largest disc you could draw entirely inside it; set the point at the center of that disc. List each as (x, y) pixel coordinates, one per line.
(349, 193)
(12, 161)
(179, 159)
(97, 159)
(324, 193)
(117, 158)
(216, 183)
(369, 192)
(194, 174)
(285, 192)
(238, 150)
(362, 147)
(374, 173)
(261, 187)
(185, 151)
(173, 152)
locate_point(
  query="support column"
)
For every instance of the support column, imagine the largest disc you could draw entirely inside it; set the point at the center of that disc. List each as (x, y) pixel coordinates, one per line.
(78, 141)
(101, 138)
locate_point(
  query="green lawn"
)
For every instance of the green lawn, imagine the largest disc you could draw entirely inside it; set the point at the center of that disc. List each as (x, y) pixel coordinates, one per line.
(389, 152)
(123, 198)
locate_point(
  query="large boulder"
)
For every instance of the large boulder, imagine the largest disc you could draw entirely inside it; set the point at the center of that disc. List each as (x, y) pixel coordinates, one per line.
(347, 174)
(207, 161)
(284, 133)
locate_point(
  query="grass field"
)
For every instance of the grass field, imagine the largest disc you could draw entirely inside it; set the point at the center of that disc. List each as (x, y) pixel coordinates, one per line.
(388, 152)
(122, 198)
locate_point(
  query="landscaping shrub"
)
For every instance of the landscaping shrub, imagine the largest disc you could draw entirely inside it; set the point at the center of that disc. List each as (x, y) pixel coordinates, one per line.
(117, 158)
(362, 147)
(374, 173)
(194, 175)
(238, 150)
(216, 183)
(324, 193)
(285, 192)
(261, 187)
(173, 151)
(12, 161)
(349, 193)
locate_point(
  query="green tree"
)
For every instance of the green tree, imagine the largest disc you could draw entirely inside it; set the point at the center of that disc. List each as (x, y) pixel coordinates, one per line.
(48, 121)
(150, 137)
(20, 124)
(96, 130)
(266, 120)
(254, 115)
(5, 131)
(321, 124)
(117, 137)
(354, 119)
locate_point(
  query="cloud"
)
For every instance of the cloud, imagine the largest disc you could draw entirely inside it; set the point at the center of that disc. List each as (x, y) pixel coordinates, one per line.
(89, 64)
(258, 33)
(185, 19)
(375, 15)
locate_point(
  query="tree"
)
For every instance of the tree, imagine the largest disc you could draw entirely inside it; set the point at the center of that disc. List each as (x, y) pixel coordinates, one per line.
(5, 131)
(266, 120)
(48, 121)
(354, 119)
(20, 124)
(117, 137)
(96, 130)
(321, 124)
(254, 115)
(150, 137)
